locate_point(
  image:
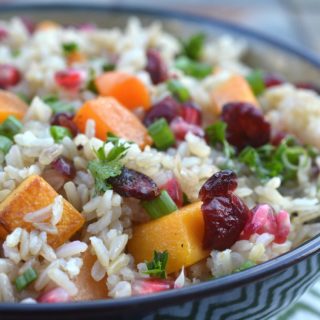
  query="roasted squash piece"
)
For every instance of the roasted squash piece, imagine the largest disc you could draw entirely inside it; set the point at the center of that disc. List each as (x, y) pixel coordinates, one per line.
(180, 233)
(235, 89)
(11, 105)
(33, 194)
(89, 289)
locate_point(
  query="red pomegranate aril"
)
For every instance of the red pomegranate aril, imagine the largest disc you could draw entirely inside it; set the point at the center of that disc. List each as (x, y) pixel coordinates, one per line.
(156, 67)
(3, 34)
(167, 108)
(65, 167)
(29, 24)
(272, 80)
(180, 128)
(148, 286)
(87, 27)
(70, 79)
(191, 113)
(224, 219)
(246, 125)
(283, 226)
(131, 183)
(307, 86)
(9, 76)
(54, 296)
(173, 188)
(65, 120)
(221, 183)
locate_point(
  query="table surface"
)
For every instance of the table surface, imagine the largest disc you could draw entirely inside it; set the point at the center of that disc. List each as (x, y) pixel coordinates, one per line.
(295, 21)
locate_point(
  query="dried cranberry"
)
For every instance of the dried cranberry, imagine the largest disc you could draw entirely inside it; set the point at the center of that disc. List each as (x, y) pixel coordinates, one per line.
(147, 286)
(65, 120)
(156, 67)
(70, 79)
(131, 183)
(180, 128)
(246, 125)
(224, 219)
(191, 113)
(29, 24)
(54, 296)
(221, 183)
(167, 108)
(272, 80)
(3, 34)
(65, 167)
(308, 86)
(277, 137)
(174, 190)
(9, 76)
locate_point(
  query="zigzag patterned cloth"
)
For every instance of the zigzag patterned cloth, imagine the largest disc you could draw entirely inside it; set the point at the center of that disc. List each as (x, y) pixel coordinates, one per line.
(307, 307)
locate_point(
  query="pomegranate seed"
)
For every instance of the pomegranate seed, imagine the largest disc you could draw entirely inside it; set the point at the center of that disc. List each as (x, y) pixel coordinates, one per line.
(3, 34)
(29, 24)
(167, 108)
(54, 296)
(191, 113)
(308, 86)
(87, 27)
(131, 183)
(272, 80)
(65, 120)
(224, 219)
(9, 76)
(221, 183)
(264, 220)
(246, 125)
(174, 190)
(65, 167)
(70, 79)
(147, 286)
(180, 128)
(156, 67)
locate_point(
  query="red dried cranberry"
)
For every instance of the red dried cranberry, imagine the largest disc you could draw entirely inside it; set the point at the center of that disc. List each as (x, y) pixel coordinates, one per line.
(156, 66)
(180, 128)
(65, 120)
(224, 219)
(174, 190)
(272, 80)
(3, 34)
(277, 137)
(131, 183)
(221, 183)
(9, 76)
(148, 286)
(308, 86)
(246, 125)
(191, 113)
(65, 167)
(167, 108)
(70, 79)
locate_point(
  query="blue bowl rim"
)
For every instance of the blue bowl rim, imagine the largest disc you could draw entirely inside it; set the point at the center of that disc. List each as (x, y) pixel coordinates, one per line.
(219, 285)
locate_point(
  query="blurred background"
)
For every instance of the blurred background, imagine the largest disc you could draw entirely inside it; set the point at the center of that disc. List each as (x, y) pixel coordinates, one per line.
(295, 21)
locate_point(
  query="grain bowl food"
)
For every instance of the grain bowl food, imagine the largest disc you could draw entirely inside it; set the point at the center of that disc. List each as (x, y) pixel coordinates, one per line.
(133, 162)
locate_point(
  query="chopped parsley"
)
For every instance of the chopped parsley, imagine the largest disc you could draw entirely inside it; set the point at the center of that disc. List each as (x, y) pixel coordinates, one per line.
(157, 267)
(108, 166)
(69, 47)
(193, 47)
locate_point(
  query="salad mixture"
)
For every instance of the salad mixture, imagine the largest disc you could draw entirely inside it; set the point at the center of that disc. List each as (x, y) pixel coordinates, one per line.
(133, 162)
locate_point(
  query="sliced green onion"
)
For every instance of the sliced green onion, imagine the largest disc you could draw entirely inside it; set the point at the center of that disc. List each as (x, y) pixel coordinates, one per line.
(58, 106)
(10, 127)
(193, 68)
(69, 47)
(256, 82)
(25, 279)
(216, 132)
(108, 67)
(58, 133)
(193, 46)
(5, 144)
(161, 134)
(246, 265)
(160, 206)
(178, 90)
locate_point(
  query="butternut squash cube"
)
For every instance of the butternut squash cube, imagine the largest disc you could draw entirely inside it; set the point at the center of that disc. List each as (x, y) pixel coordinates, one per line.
(235, 89)
(180, 233)
(89, 289)
(33, 194)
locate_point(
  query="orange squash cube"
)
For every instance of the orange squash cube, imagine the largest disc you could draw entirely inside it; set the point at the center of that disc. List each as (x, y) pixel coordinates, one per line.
(11, 105)
(33, 194)
(180, 233)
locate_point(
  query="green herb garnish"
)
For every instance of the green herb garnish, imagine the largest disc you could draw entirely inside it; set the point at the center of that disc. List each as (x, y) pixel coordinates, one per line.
(69, 47)
(193, 47)
(162, 136)
(178, 90)
(59, 132)
(108, 67)
(157, 267)
(246, 265)
(57, 105)
(193, 68)
(25, 279)
(10, 127)
(256, 82)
